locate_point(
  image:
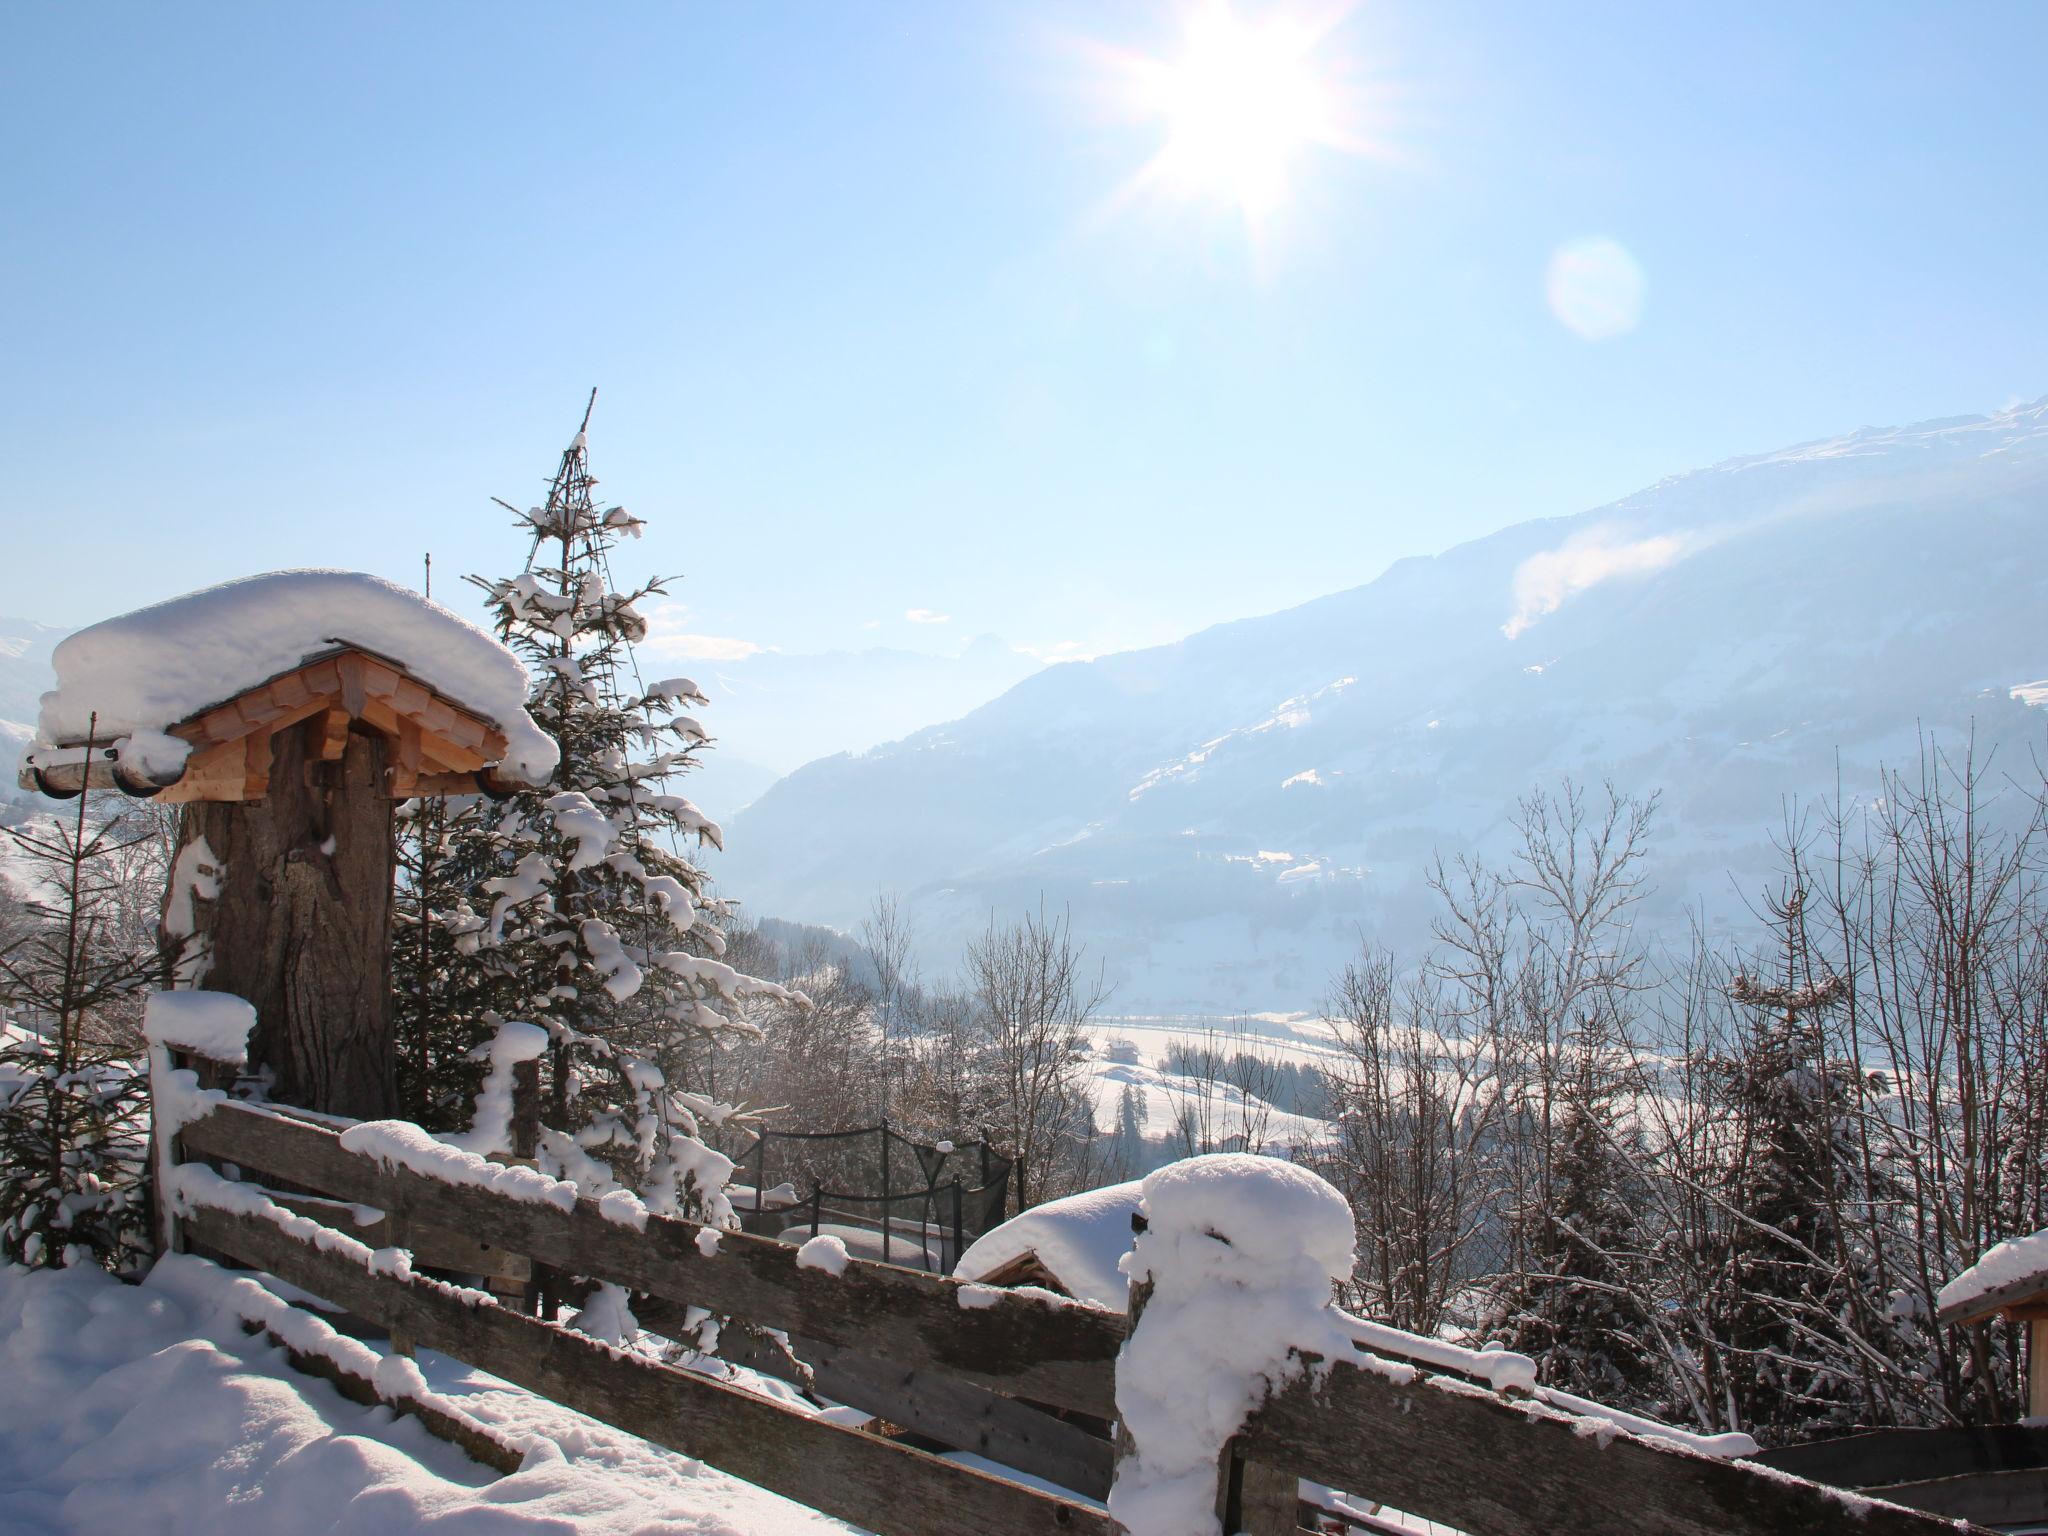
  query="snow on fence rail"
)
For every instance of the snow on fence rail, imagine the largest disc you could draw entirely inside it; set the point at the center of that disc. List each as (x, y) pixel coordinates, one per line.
(1029, 1381)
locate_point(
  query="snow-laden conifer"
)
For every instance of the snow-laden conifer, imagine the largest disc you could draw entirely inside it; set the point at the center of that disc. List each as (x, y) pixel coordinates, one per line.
(589, 917)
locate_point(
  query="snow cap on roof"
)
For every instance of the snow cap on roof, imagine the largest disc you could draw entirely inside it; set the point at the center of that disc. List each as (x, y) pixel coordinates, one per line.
(2011, 1263)
(1079, 1241)
(148, 670)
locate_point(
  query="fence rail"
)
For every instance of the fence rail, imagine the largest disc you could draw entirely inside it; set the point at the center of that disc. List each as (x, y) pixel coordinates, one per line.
(1027, 1380)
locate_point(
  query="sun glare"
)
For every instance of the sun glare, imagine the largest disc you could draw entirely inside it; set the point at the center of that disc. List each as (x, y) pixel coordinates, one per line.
(1240, 103)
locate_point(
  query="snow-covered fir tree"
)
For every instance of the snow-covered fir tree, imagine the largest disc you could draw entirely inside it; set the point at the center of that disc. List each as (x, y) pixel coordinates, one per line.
(589, 917)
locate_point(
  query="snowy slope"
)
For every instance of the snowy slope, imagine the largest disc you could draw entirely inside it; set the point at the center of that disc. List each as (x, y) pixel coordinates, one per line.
(1225, 815)
(25, 673)
(147, 1409)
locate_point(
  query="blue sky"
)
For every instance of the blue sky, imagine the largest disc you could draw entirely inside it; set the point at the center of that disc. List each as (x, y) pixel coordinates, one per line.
(879, 327)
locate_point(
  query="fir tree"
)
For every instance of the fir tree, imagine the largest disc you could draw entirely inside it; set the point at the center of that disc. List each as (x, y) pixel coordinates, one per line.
(589, 919)
(1583, 1320)
(1792, 1176)
(443, 1004)
(73, 1092)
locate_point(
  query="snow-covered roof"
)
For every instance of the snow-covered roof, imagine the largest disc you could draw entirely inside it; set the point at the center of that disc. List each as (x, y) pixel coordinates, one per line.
(2006, 1274)
(146, 671)
(1078, 1241)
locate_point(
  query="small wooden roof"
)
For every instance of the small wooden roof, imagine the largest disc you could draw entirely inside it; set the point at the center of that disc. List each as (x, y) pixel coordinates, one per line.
(442, 747)
(2010, 1278)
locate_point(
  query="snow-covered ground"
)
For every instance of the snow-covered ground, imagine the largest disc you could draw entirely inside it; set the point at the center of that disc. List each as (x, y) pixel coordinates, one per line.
(148, 1409)
(1132, 1052)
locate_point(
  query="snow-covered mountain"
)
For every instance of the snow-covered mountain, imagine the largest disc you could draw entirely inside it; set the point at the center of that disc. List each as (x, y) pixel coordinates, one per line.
(772, 711)
(1226, 815)
(24, 673)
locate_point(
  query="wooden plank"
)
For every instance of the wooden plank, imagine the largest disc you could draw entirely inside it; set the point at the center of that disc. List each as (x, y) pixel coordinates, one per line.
(446, 784)
(218, 772)
(290, 688)
(1266, 1500)
(411, 697)
(1023, 1346)
(352, 670)
(474, 1439)
(2037, 1367)
(1911, 1455)
(2018, 1497)
(879, 1484)
(1490, 1467)
(954, 1413)
(333, 736)
(432, 1247)
(255, 765)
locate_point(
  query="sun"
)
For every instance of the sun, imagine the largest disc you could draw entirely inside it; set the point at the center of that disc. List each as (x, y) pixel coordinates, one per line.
(1239, 103)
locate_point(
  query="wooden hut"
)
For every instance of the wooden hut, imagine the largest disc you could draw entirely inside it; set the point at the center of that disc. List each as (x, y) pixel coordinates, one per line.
(2010, 1281)
(287, 714)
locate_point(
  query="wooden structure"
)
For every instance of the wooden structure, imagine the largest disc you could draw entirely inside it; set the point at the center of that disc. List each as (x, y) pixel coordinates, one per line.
(1025, 1381)
(2020, 1300)
(288, 792)
(434, 744)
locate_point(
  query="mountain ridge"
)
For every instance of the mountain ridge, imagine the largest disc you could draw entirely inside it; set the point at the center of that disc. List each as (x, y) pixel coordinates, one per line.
(1227, 812)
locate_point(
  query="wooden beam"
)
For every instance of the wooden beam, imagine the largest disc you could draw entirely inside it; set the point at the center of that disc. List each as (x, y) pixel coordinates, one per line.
(431, 1247)
(352, 669)
(952, 1412)
(1910, 1455)
(2016, 1498)
(218, 772)
(1022, 1346)
(878, 1484)
(1454, 1453)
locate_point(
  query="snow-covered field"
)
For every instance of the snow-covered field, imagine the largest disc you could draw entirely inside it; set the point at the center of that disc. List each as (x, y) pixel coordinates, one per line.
(148, 1409)
(1131, 1052)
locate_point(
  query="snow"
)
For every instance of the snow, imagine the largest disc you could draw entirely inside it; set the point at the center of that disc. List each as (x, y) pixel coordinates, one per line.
(399, 1143)
(215, 1025)
(491, 1127)
(2010, 1262)
(1080, 1240)
(824, 1252)
(195, 876)
(150, 1408)
(1243, 1254)
(148, 670)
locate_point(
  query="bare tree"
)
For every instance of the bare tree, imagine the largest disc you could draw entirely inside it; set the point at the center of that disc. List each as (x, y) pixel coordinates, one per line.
(889, 936)
(1034, 1000)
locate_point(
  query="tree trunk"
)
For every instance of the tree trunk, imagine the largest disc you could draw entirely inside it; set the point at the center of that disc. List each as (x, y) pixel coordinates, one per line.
(302, 929)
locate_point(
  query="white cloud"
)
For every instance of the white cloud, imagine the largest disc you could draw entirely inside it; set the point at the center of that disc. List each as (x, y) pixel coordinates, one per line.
(1545, 582)
(686, 647)
(927, 616)
(668, 639)
(870, 623)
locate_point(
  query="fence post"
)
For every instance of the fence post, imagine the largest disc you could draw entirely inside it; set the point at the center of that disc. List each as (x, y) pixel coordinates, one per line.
(885, 1189)
(1231, 1299)
(211, 1030)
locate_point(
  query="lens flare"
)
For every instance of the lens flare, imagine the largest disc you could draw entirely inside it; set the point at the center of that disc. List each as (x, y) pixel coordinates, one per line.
(1595, 288)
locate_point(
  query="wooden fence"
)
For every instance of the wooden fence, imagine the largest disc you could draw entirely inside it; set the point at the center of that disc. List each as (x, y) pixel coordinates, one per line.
(1023, 1380)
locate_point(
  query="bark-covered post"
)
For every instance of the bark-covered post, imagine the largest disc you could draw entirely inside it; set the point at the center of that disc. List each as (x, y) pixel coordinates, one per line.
(302, 925)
